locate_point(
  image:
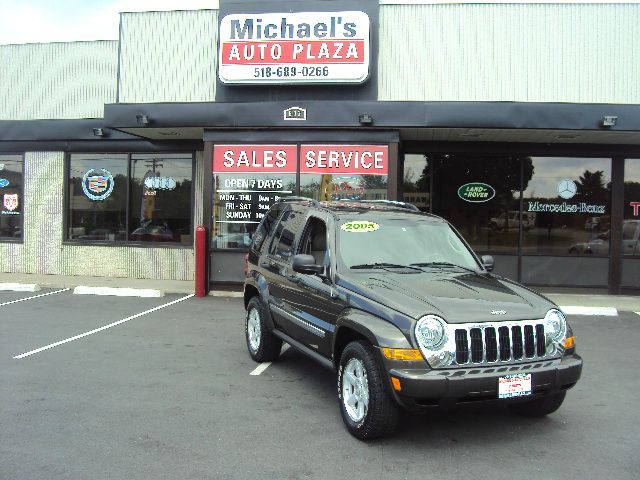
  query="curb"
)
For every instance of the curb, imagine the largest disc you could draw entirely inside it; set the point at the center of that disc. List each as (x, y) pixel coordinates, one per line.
(118, 292)
(19, 287)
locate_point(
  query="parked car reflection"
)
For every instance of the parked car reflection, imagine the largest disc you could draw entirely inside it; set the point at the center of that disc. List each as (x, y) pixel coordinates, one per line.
(599, 245)
(152, 233)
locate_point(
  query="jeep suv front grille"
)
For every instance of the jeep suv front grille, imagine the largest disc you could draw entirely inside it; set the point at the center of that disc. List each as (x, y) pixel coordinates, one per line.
(492, 343)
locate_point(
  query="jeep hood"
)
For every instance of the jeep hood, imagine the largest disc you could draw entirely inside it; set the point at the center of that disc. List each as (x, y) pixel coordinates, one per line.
(457, 297)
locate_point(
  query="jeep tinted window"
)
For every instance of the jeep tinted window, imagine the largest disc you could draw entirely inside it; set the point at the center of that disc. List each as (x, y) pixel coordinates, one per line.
(265, 228)
(282, 238)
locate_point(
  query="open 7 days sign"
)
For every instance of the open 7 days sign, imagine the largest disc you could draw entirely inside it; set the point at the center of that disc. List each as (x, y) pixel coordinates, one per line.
(285, 48)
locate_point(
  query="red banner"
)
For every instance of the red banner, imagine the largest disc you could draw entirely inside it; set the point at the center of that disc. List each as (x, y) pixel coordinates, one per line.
(342, 159)
(254, 159)
(293, 52)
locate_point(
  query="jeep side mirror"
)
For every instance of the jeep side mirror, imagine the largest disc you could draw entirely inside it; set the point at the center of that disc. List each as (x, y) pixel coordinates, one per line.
(306, 264)
(487, 262)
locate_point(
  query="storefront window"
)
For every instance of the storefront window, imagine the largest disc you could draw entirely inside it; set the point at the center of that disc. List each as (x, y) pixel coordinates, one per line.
(158, 207)
(11, 193)
(569, 203)
(160, 194)
(631, 224)
(247, 180)
(97, 197)
(417, 181)
(479, 195)
(344, 172)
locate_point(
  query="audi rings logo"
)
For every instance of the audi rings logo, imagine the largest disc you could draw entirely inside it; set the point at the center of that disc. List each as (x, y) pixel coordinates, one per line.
(567, 189)
(97, 184)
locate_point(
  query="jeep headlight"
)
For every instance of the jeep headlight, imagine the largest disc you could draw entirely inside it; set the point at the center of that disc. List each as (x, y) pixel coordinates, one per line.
(431, 332)
(433, 340)
(555, 325)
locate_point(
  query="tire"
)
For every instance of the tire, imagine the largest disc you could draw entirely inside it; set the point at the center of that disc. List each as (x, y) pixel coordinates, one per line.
(263, 345)
(367, 409)
(541, 406)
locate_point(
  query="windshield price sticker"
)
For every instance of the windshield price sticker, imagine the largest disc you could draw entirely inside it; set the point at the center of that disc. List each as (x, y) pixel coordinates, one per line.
(360, 226)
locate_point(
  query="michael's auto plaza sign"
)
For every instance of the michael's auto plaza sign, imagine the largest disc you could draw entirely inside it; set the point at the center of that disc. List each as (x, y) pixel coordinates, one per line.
(294, 48)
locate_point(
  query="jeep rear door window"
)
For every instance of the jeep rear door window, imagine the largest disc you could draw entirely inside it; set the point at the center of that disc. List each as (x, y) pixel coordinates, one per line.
(402, 242)
(247, 180)
(12, 197)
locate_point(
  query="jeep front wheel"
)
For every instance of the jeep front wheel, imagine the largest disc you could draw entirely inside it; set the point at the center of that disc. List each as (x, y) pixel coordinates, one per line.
(262, 344)
(367, 409)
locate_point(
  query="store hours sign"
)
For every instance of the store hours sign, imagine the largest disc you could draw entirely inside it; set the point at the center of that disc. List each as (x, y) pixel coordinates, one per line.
(294, 48)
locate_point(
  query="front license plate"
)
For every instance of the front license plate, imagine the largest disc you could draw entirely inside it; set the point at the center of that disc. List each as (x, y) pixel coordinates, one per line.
(517, 385)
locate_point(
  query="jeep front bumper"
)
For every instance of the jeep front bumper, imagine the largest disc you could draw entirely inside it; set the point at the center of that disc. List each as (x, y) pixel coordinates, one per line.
(426, 387)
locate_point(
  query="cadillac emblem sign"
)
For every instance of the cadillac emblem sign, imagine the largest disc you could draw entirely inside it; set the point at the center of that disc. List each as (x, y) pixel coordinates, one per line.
(97, 184)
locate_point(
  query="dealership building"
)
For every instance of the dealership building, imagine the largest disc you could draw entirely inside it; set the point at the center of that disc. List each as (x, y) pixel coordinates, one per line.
(518, 123)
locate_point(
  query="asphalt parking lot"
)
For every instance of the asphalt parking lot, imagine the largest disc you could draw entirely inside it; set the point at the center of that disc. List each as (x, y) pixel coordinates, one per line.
(168, 394)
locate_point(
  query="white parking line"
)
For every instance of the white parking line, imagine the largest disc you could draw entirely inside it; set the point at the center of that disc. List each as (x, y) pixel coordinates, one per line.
(61, 342)
(599, 311)
(263, 366)
(35, 296)
(20, 287)
(118, 292)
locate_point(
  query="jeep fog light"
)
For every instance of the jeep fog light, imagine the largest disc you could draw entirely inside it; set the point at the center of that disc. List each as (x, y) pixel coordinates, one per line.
(555, 325)
(430, 332)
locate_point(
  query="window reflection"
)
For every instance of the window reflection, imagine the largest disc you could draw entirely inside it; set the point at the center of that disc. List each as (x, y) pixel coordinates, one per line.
(12, 201)
(160, 195)
(480, 196)
(570, 199)
(343, 187)
(240, 201)
(631, 224)
(97, 197)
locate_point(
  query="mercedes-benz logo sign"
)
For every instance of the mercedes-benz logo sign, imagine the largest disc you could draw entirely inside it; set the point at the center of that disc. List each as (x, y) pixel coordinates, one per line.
(567, 188)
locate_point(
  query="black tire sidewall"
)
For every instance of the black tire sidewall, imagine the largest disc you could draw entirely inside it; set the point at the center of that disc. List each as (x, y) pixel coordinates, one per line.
(380, 404)
(256, 304)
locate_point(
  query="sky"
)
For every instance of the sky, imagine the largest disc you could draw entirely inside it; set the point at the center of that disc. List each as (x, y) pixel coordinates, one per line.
(35, 21)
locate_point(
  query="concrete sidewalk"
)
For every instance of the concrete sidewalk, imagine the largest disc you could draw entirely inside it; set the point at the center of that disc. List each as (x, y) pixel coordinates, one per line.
(628, 303)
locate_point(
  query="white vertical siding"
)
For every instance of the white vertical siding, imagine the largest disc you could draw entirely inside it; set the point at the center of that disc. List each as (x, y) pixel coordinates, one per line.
(57, 80)
(168, 56)
(43, 251)
(582, 53)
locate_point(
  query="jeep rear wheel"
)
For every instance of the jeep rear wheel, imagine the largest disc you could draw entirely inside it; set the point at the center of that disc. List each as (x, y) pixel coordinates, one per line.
(367, 409)
(263, 346)
(541, 406)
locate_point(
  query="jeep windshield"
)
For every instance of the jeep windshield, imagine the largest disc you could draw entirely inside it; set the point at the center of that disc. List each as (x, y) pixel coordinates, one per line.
(401, 243)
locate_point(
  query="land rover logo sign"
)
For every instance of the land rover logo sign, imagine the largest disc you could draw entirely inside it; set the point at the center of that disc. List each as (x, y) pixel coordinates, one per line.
(294, 48)
(97, 184)
(476, 192)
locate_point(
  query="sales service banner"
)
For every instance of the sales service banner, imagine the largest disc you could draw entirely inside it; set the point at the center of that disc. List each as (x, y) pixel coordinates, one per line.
(276, 159)
(294, 48)
(344, 159)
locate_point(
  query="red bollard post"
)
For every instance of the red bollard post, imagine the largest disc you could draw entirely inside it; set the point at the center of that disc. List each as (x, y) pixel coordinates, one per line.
(201, 261)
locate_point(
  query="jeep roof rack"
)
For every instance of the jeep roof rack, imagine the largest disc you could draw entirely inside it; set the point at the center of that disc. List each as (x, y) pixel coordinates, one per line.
(391, 203)
(294, 198)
